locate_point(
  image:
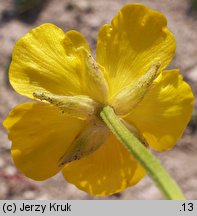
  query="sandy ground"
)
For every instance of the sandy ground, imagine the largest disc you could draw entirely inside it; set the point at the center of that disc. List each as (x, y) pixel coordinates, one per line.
(87, 16)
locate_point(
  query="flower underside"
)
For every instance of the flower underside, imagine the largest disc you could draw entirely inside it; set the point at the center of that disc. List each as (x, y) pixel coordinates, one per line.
(83, 107)
(66, 131)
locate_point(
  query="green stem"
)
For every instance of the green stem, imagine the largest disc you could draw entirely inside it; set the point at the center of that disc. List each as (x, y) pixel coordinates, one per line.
(154, 169)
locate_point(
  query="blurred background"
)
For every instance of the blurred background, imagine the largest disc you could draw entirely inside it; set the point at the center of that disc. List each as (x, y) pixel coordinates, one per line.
(87, 16)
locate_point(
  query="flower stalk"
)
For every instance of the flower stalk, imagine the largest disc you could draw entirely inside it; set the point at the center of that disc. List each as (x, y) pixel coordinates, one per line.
(155, 170)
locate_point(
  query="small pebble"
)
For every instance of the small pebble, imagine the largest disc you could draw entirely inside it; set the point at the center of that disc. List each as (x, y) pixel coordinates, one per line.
(29, 195)
(10, 170)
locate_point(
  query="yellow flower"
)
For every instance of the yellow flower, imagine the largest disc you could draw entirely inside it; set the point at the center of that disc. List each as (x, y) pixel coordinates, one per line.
(65, 133)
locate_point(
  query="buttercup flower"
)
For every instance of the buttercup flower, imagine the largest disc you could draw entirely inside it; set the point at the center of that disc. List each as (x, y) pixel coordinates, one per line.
(63, 130)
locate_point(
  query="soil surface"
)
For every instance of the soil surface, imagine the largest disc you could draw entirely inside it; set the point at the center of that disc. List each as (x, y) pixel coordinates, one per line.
(87, 16)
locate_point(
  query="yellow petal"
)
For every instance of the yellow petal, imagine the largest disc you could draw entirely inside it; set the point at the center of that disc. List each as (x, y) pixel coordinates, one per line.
(46, 59)
(164, 113)
(78, 41)
(136, 39)
(40, 135)
(109, 170)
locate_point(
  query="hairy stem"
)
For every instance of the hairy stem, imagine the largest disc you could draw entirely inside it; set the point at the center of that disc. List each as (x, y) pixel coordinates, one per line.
(153, 167)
